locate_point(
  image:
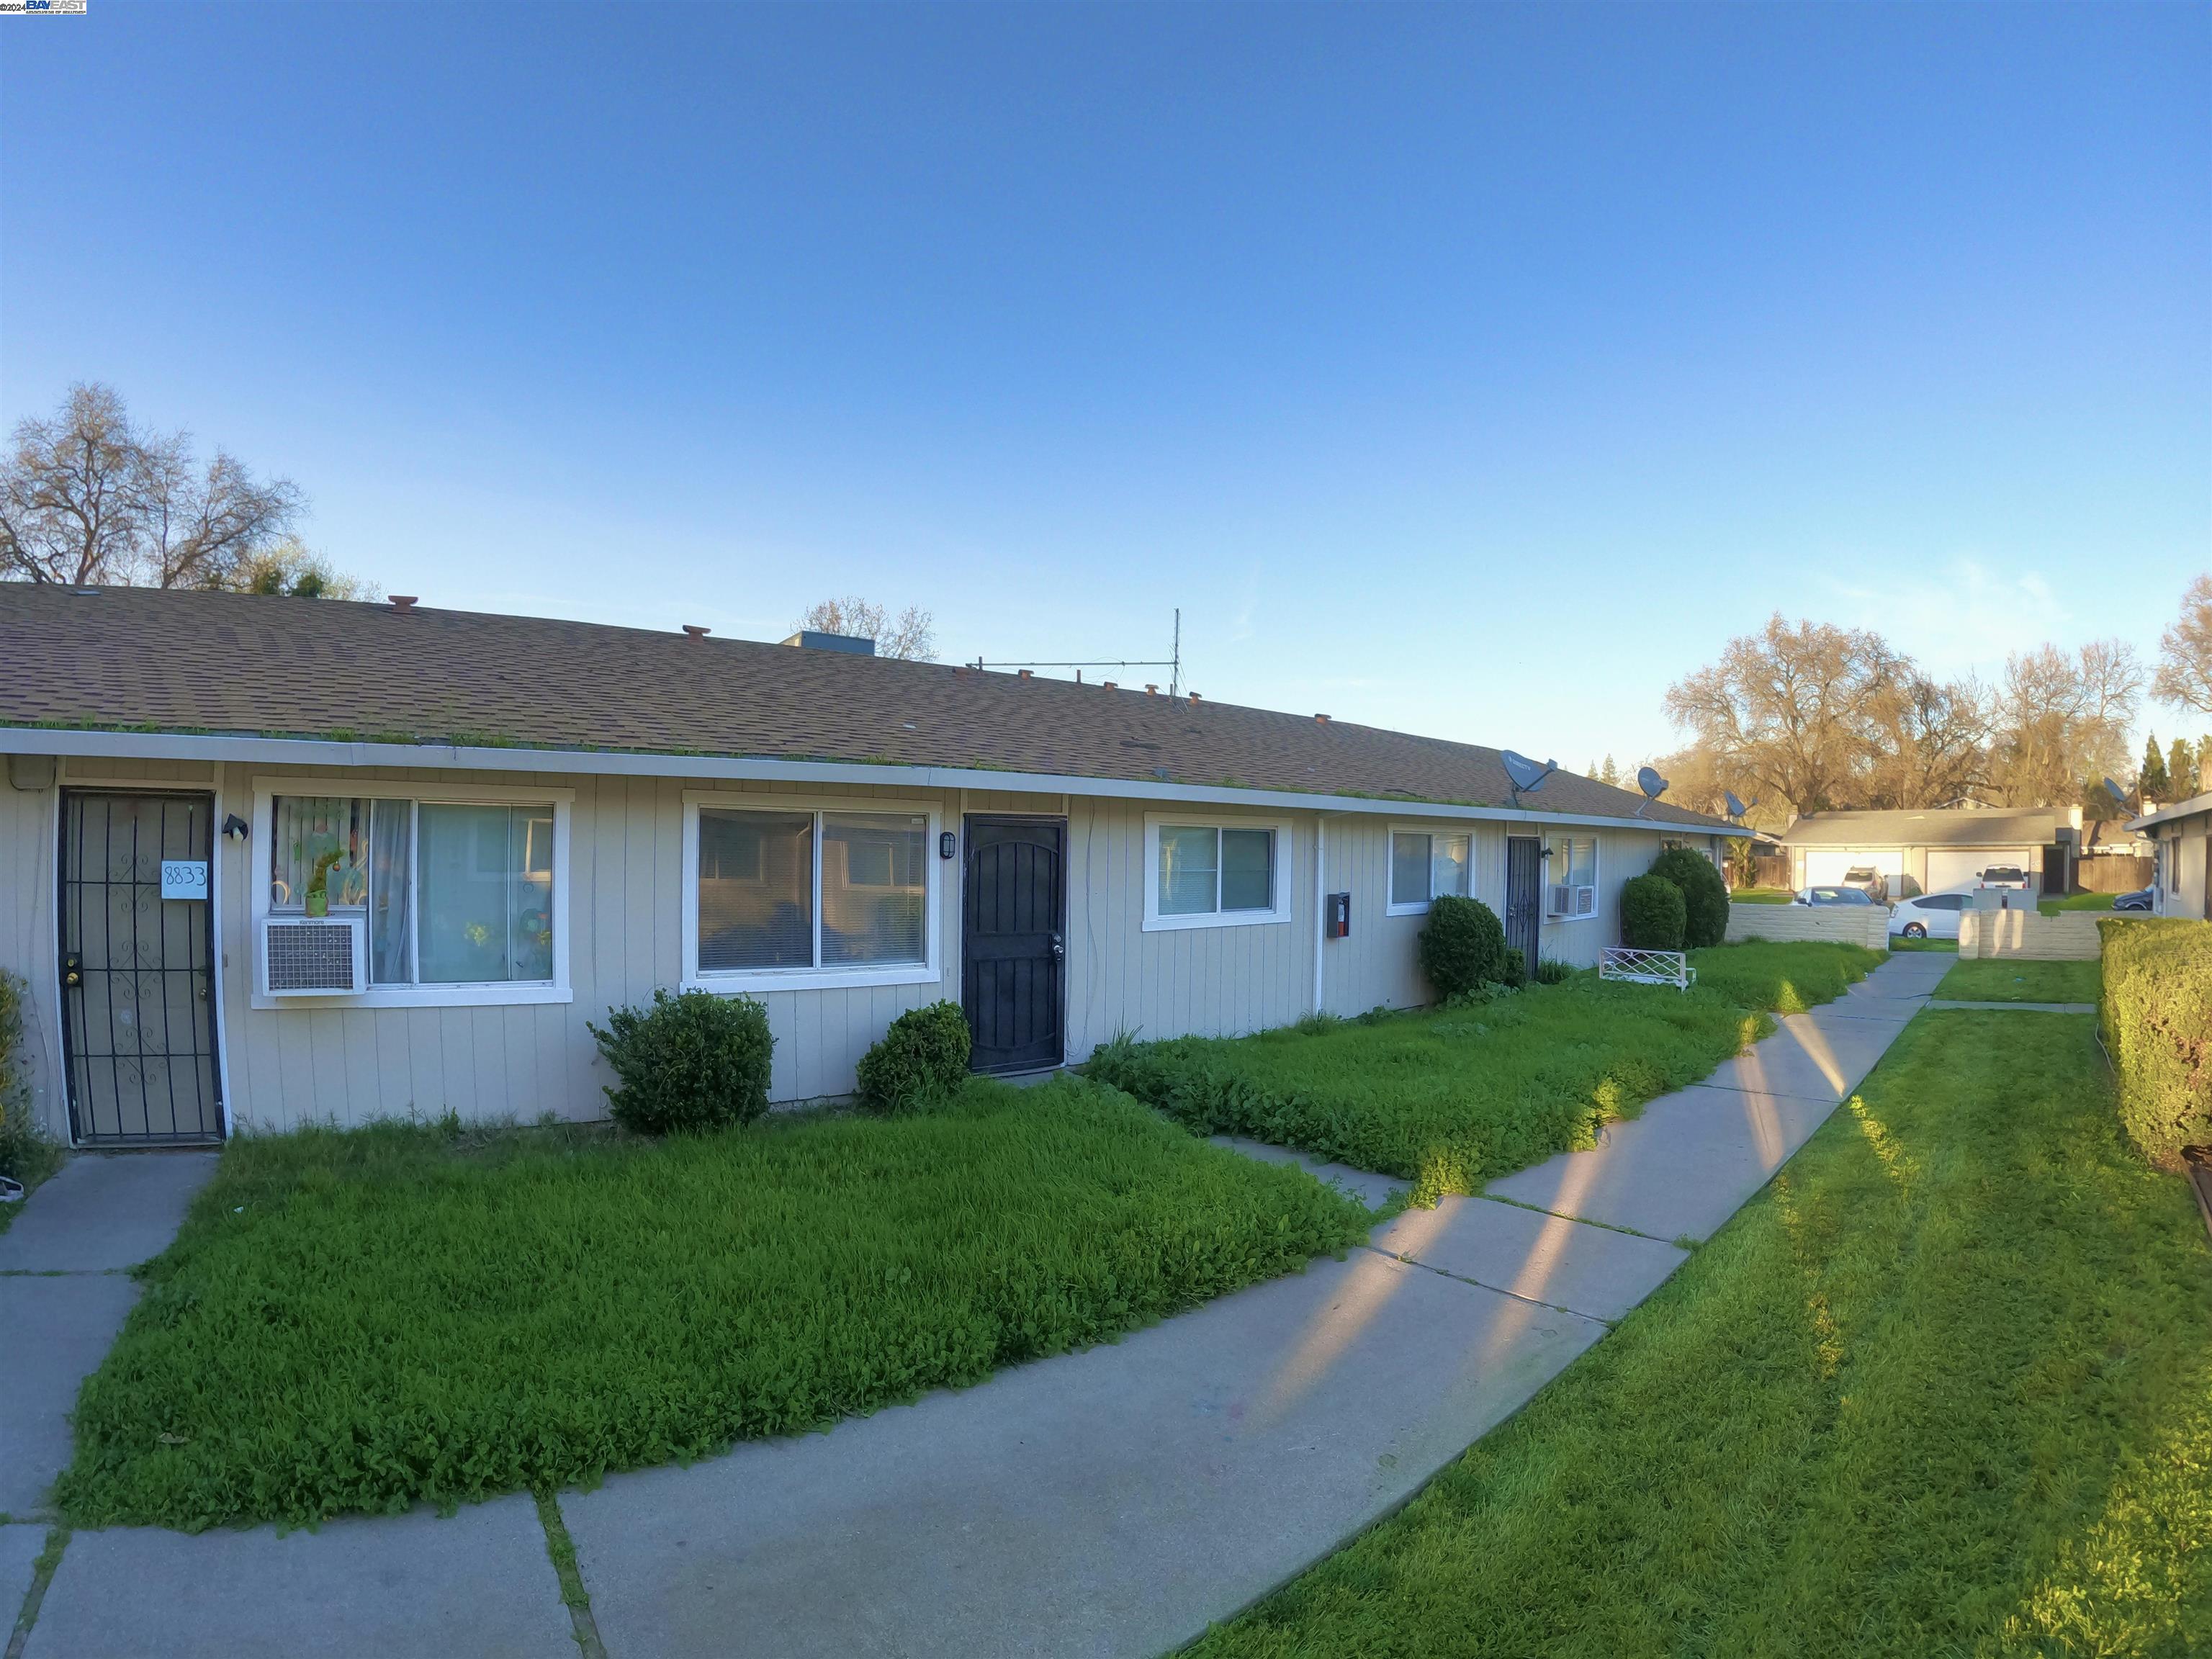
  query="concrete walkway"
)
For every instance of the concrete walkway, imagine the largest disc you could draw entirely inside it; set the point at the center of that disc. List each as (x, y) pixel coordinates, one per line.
(1109, 1502)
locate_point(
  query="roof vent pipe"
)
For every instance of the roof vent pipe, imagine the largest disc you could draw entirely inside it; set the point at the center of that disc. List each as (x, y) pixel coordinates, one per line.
(1027, 674)
(1321, 720)
(402, 602)
(1194, 700)
(695, 631)
(1110, 685)
(1151, 690)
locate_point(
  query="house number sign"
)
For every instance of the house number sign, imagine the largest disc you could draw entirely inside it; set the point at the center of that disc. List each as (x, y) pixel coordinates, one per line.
(184, 878)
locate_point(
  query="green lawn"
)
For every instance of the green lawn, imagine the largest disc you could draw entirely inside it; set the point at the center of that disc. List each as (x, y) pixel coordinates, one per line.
(2051, 907)
(1762, 895)
(1448, 1098)
(360, 1321)
(1944, 1388)
(2003, 980)
(1897, 942)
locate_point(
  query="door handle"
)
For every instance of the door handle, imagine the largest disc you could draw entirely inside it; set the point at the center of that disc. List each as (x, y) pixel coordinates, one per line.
(1058, 948)
(72, 970)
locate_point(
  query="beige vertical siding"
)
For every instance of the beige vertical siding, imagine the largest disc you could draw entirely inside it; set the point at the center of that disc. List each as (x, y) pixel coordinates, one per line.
(294, 1064)
(1211, 981)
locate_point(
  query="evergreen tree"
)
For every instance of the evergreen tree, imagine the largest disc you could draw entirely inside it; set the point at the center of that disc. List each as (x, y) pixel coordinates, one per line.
(2181, 768)
(2152, 783)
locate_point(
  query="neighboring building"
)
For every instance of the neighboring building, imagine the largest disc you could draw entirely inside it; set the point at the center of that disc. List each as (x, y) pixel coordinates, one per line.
(2179, 835)
(513, 823)
(1938, 847)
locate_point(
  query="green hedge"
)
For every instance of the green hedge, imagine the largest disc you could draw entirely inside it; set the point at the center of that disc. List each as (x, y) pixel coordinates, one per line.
(26, 1154)
(1653, 915)
(2157, 1020)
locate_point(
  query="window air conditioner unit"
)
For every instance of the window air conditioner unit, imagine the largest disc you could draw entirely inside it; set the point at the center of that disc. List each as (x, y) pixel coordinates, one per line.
(1562, 901)
(313, 956)
(1586, 901)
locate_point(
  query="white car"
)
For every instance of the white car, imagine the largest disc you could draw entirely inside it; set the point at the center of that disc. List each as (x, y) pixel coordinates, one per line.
(2004, 875)
(1931, 915)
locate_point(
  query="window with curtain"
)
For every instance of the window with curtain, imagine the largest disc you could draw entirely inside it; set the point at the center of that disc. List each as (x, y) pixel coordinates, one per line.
(454, 893)
(1211, 870)
(811, 890)
(1424, 866)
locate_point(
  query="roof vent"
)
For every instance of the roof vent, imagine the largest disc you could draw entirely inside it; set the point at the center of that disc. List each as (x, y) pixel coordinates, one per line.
(1027, 674)
(1321, 720)
(1194, 700)
(695, 631)
(403, 602)
(1110, 685)
(856, 645)
(1151, 690)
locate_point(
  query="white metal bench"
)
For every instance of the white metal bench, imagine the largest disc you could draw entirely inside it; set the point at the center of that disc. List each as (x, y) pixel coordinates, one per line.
(1646, 967)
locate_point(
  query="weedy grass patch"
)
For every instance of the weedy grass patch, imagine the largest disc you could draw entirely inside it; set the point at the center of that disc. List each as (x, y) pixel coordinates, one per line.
(365, 1320)
(1998, 979)
(1945, 1387)
(1447, 1098)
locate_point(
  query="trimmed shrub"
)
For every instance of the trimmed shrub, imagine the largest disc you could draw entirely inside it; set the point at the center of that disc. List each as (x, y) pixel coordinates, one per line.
(1653, 915)
(1704, 895)
(2156, 1015)
(922, 1060)
(689, 1062)
(1462, 945)
(1513, 970)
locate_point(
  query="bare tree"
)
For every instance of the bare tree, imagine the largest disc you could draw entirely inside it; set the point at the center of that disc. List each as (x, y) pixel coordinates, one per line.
(2058, 720)
(2185, 655)
(1787, 710)
(911, 636)
(87, 497)
(1929, 743)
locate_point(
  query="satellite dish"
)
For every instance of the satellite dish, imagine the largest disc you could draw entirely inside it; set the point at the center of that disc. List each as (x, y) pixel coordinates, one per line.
(1525, 773)
(1737, 808)
(2120, 795)
(1653, 786)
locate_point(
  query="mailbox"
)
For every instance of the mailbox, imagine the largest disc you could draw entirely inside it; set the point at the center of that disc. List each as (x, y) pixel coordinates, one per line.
(1339, 923)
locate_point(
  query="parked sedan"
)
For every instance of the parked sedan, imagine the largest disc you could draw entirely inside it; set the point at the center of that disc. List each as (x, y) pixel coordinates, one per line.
(1832, 896)
(1932, 915)
(1870, 881)
(2138, 900)
(2004, 875)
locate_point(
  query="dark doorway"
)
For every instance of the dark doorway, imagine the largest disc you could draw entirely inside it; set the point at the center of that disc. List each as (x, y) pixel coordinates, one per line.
(1524, 896)
(1013, 951)
(138, 1017)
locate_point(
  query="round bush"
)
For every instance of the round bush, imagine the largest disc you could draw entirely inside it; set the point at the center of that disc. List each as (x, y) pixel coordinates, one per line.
(1704, 895)
(1652, 914)
(689, 1062)
(1513, 968)
(1462, 945)
(922, 1059)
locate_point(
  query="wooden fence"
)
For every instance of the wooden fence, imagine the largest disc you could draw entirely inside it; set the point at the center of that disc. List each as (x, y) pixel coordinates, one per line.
(2112, 872)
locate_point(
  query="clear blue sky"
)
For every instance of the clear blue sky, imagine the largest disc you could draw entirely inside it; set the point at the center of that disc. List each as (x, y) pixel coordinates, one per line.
(1476, 371)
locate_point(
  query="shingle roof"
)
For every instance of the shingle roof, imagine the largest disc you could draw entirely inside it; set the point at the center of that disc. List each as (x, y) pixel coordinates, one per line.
(1935, 827)
(131, 658)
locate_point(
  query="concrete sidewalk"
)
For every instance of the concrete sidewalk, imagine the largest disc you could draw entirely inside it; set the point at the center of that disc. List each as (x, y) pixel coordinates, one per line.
(1112, 1502)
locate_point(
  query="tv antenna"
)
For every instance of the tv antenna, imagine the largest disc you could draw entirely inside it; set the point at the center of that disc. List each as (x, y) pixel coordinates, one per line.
(1653, 786)
(1525, 777)
(1172, 662)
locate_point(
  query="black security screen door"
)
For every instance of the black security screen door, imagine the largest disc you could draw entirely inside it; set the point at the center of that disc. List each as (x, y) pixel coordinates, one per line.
(1012, 982)
(1524, 895)
(136, 968)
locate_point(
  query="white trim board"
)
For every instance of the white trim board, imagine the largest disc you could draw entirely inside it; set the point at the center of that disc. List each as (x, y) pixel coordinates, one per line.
(595, 763)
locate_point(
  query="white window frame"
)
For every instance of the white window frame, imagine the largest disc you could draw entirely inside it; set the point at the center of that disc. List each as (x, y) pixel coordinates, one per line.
(1552, 838)
(1437, 831)
(741, 982)
(1278, 911)
(495, 993)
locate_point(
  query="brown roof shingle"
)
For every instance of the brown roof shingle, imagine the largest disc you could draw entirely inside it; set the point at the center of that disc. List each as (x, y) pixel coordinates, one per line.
(121, 657)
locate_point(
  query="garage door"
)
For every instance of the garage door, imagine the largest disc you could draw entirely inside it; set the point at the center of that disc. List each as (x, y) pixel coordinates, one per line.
(1963, 866)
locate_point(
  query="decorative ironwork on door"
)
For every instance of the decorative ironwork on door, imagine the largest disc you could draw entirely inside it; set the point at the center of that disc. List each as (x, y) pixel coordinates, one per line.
(137, 976)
